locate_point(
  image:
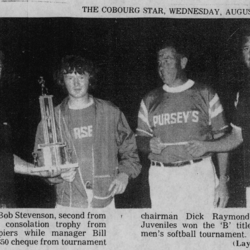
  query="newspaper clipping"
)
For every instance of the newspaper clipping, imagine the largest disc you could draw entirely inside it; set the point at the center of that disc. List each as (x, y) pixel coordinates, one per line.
(124, 124)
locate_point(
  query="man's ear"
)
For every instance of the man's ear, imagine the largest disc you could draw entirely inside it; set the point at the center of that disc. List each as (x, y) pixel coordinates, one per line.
(184, 61)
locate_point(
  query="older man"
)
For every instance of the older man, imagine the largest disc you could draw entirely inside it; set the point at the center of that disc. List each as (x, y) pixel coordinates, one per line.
(169, 117)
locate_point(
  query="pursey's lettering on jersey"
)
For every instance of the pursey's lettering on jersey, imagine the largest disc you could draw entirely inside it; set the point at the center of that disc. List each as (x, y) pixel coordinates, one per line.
(82, 132)
(177, 117)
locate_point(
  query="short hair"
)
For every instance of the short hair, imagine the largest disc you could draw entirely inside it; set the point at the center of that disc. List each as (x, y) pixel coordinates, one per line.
(78, 64)
(179, 47)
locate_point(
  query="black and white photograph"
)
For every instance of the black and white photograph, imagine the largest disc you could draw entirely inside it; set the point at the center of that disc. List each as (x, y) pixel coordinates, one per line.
(124, 58)
(137, 114)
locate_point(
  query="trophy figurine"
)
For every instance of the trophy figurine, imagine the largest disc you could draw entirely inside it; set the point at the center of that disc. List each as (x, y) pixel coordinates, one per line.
(54, 152)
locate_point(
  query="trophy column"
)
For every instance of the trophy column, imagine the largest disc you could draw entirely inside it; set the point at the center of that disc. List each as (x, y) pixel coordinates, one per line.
(54, 153)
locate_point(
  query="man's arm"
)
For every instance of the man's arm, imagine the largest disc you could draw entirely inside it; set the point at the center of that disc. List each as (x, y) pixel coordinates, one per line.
(129, 159)
(22, 167)
(221, 191)
(220, 145)
(224, 144)
(149, 144)
(129, 165)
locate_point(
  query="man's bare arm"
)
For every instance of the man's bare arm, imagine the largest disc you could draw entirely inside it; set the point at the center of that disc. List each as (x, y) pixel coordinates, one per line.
(221, 191)
(224, 144)
(22, 167)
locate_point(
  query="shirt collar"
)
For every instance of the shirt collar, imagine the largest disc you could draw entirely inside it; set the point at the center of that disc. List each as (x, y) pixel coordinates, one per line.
(187, 85)
(91, 101)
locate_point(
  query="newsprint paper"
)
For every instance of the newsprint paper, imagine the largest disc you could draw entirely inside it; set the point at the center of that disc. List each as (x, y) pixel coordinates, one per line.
(121, 37)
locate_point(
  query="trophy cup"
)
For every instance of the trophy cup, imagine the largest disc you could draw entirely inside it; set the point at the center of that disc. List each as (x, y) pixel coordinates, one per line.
(54, 152)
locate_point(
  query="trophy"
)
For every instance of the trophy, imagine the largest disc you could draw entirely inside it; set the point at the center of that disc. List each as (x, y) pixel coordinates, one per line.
(55, 153)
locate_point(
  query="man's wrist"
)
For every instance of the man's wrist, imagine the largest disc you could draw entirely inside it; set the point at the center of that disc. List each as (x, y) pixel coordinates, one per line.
(224, 178)
(123, 173)
(124, 176)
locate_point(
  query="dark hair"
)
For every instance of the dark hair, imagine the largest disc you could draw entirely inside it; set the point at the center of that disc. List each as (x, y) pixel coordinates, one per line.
(179, 47)
(237, 71)
(78, 64)
(244, 32)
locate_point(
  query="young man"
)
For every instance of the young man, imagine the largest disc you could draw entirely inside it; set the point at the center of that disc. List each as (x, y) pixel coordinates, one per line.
(168, 118)
(96, 132)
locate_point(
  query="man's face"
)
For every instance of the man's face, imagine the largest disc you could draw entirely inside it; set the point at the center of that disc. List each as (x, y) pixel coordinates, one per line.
(246, 52)
(77, 84)
(168, 65)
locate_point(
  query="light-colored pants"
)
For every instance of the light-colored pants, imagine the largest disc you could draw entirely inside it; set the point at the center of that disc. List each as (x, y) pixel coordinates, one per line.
(90, 197)
(187, 187)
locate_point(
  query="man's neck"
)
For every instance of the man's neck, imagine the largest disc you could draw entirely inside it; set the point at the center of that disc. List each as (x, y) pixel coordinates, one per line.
(176, 82)
(179, 79)
(80, 103)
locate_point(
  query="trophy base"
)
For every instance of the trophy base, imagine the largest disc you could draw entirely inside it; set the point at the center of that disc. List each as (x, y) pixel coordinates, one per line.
(49, 168)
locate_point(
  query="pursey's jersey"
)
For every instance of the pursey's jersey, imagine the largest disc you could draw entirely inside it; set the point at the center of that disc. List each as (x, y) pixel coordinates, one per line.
(177, 115)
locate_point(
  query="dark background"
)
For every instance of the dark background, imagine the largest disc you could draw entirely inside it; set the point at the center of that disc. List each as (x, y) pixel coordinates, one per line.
(124, 51)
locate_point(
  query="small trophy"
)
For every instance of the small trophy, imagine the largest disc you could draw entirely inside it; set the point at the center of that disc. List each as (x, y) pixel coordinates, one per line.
(54, 153)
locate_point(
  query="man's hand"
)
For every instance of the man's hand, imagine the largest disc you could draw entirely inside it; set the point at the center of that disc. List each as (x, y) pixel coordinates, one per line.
(69, 174)
(119, 184)
(53, 172)
(156, 145)
(221, 195)
(196, 148)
